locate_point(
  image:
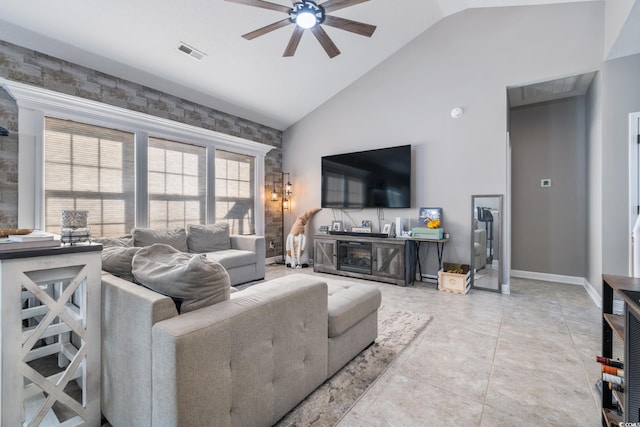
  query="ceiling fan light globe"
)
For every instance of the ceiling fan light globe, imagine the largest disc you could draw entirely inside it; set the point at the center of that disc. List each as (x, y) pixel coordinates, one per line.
(306, 20)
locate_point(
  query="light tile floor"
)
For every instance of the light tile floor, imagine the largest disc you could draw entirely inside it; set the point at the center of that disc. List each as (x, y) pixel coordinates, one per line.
(487, 359)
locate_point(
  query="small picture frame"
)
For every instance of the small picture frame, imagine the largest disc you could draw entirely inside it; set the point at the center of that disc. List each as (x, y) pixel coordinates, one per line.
(429, 214)
(336, 225)
(386, 228)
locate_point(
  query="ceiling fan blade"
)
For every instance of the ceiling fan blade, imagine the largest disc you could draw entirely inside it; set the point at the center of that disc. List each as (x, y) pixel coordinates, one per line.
(293, 41)
(333, 5)
(349, 25)
(263, 4)
(325, 41)
(264, 30)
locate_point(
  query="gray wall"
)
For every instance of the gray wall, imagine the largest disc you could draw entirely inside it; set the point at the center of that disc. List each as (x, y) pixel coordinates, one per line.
(594, 180)
(548, 224)
(466, 60)
(616, 14)
(620, 96)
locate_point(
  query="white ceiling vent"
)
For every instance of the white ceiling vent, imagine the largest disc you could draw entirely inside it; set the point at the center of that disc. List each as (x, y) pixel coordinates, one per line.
(191, 51)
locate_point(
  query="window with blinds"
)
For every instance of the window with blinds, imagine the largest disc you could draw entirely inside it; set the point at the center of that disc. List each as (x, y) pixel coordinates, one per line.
(234, 190)
(177, 184)
(89, 168)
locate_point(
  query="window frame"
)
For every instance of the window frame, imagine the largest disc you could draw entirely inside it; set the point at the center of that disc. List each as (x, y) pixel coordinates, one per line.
(202, 185)
(64, 135)
(35, 103)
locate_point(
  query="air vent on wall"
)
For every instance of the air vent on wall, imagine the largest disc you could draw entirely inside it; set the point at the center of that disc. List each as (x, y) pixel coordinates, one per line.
(191, 51)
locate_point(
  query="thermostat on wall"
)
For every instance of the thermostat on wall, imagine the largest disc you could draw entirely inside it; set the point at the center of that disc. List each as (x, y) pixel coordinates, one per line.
(546, 182)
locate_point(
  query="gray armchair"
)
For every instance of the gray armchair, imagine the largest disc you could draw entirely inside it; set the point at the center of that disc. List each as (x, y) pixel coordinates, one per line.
(480, 248)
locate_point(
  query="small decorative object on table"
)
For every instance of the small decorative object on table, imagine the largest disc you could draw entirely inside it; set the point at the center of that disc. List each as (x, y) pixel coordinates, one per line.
(431, 224)
(365, 227)
(386, 229)
(323, 229)
(336, 225)
(74, 227)
(6, 232)
(431, 217)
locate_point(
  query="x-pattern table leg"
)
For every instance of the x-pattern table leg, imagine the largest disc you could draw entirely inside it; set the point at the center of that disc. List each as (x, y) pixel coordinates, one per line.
(57, 309)
(55, 391)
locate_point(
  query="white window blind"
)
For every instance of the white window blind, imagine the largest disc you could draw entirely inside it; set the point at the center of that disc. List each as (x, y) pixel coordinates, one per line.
(89, 168)
(177, 184)
(235, 191)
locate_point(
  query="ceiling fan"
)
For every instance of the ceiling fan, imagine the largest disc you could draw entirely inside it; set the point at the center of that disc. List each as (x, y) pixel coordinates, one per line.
(309, 15)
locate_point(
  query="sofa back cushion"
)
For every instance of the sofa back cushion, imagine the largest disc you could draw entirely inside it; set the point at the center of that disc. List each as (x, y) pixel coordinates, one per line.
(146, 237)
(124, 241)
(208, 238)
(193, 281)
(117, 261)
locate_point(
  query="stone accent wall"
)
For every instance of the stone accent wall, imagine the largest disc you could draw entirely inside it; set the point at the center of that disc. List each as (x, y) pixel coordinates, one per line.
(30, 67)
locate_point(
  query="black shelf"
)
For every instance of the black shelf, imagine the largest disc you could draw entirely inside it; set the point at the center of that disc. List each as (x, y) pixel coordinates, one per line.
(628, 289)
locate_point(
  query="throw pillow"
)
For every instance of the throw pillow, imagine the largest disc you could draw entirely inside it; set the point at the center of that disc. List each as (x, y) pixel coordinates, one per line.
(146, 237)
(208, 238)
(117, 261)
(192, 279)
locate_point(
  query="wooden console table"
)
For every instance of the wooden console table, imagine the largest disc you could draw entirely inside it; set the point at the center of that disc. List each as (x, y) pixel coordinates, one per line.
(384, 259)
(50, 301)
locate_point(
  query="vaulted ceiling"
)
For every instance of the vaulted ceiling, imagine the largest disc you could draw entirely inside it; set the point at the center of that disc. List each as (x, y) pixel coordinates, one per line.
(139, 41)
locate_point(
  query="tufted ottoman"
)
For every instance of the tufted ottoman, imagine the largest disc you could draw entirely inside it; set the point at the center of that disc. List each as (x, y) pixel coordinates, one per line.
(353, 320)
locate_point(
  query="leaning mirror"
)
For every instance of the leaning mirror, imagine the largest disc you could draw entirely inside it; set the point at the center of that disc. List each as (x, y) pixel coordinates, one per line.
(486, 241)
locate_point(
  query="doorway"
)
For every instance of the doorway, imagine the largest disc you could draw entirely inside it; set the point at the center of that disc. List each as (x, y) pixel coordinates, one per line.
(548, 185)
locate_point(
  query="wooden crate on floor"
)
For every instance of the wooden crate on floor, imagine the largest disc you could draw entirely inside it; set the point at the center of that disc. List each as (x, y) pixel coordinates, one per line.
(459, 283)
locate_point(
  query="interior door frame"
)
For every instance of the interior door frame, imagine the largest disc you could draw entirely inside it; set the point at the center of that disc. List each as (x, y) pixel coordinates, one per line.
(634, 179)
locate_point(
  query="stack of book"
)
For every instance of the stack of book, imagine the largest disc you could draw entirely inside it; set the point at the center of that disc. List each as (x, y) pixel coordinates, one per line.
(33, 240)
(612, 372)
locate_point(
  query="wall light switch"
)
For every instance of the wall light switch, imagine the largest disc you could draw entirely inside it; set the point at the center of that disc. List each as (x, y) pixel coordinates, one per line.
(546, 182)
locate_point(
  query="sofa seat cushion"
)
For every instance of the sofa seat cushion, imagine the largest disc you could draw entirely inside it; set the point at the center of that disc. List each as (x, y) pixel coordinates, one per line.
(349, 303)
(233, 258)
(193, 281)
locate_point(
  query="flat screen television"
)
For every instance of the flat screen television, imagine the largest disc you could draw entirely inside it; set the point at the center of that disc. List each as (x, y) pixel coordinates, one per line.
(368, 179)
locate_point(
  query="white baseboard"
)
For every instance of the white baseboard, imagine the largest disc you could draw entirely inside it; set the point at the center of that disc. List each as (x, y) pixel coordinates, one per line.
(595, 296)
(272, 260)
(571, 280)
(505, 288)
(557, 278)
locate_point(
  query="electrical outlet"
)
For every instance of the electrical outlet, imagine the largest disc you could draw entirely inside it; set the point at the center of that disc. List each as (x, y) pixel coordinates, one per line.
(272, 245)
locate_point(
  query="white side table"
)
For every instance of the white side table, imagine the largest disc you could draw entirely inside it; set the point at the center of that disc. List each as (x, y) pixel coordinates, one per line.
(51, 314)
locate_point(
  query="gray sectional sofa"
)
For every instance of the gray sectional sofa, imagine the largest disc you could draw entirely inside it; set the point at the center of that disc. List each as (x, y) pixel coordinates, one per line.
(246, 361)
(181, 347)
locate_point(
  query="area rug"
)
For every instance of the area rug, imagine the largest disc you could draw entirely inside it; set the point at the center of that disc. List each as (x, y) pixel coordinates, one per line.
(333, 399)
